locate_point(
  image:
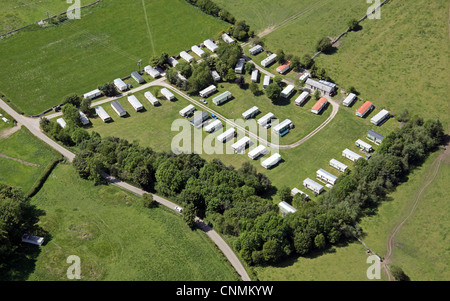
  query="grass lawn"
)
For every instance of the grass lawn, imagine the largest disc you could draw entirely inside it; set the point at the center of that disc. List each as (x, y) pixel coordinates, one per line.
(15, 14)
(3, 124)
(142, 244)
(24, 146)
(399, 61)
(41, 66)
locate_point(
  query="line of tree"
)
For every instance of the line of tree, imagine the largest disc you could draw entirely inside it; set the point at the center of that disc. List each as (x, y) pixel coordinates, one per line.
(210, 8)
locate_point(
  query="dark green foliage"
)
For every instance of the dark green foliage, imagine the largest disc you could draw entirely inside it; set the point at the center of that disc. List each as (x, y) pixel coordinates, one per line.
(73, 99)
(273, 91)
(109, 89)
(240, 30)
(324, 45)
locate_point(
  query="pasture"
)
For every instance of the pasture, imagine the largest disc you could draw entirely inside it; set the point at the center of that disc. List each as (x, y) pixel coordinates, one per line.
(116, 238)
(41, 66)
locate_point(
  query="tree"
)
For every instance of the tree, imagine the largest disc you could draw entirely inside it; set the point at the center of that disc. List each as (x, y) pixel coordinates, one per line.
(249, 67)
(302, 242)
(73, 99)
(254, 88)
(324, 45)
(296, 65)
(320, 242)
(307, 61)
(398, 273)
(284, 193)
(281, 57)
(185, 69)
(85, 106)
(231, 75)
(271, 251)
(189, 215)
(273, 91)
(109, 89)
(148, 201)
(353, 24)
(71, 115)
(317, 95)
(154, 61)
(240, 30)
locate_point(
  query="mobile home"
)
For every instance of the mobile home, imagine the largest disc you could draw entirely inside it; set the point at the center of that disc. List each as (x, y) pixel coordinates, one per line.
(227, 135)
(374, 136)
(208, 91)
(314, 85)
(186, 56)
(258, 151)
(352, 156)
(152, 71)
(137, 77)
(102, 114)
(364, 146)
(271, 161)
(266, 81)
(213, 126)
(326, 176)
(349, 100)
(338, 165)
(255, 75)
(266, 119)
(187, 111)
(288, 91)
(220, 99)
(256, 49)
(285, 208)
(250, 113)
(215, 75)
(197, 50)
(92, 94)
(172, 61)
(283, 127)
(313, 186)
(199, 118)
(118, 108)
(227, 38)
(301, 98)
(210, 45)
(296, 191)
(319, 105)
(120, 85)
(240, 145)
(269, 60)
(364, 109)
(84, 119)
(61, 122)
(382, 116)
(239, 66)
(167, 94)
(282, 69)
(151, 98)
(135, 103)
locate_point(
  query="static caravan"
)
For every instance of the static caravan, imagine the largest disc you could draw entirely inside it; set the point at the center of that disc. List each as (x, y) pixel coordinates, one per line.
(120, 85)
(102, 114)
(382, 116)
(198, 119)
(84, 119)
(137, 77)
(227, 135)
(263, 121)
(326, 176)
(255, 75)
(364, 146)
(301, 98)
(172, 61)
(258, 151)
(283, 127)
(187, 111)
(256, 49)
(282, 69)
(374, 136)
(266, 81)
(220, 99)
(349, 100)
(271, 161)
(208, 91)
(135, 103)
(118, 108)
(364, 109)
(152, 71)
(186, 56)
(296, 191)
(352, 156)
(210, 45)
(61, 122)
(92, 94)
(312, 185)
(31, 239)
(304, 76)
(240, 145)
(250, 113)
(319, 105)
(269, 60)
(151, 98)
(239, 66)
(197, 50)
(215, 75)
(213, 126)
(314, 85)
(285, 208)
(288, 91)
(227, 38)
(338, 165)
(167, 94)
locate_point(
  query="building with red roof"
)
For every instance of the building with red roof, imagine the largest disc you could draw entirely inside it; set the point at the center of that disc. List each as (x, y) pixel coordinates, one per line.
(364, 109)
(319, 105)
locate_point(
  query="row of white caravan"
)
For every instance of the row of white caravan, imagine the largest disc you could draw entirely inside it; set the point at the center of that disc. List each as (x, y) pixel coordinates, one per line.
(83, 119)
(209, 44)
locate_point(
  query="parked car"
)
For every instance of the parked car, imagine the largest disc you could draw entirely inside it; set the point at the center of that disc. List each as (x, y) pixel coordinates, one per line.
(178, 209)
(214, 116)
(204, 101)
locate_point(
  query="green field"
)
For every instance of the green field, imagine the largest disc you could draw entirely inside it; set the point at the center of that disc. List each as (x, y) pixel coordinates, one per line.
(116, 238)
(24, 146)
(15, 14)
(399, 61)
(40, 67)
(8, 124)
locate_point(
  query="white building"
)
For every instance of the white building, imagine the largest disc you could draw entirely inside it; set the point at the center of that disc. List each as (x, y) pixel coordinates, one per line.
(213, 126)
(197, 50)
(215, 75)
(338, 165)
(151, 98)
(187, 111)
(167, 94)
(352, 156)
(304, 76)
(225, 136)
(102, 114)
(271, 161)
(210, 45)
(151, 71)
(120, 85)
(282, 127)
(186, 56)
(239, 66)
(227, 38)
(250, 113)
(61, 122)
(321, 87)
(287, 91)
(269, 60)
(172, 61)
(266, 81)
(313, 186)
(260, 150)
(326, 176)
(382, 116)
(92, 94)
(135, 103)
(364, 145)
(240, 145)
(208, 91)
(256, 49)
(31, 239)
(285, 208)
(255, 75)
(266, 119)
(301, 98)
(84, 119)
(349, 100)
(296, 191)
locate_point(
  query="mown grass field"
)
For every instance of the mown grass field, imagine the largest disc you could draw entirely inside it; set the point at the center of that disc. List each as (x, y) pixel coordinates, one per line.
(116, 238)
(8, 124)
(15, 14)
(399, 61)
(24, 146)
(39, 67)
